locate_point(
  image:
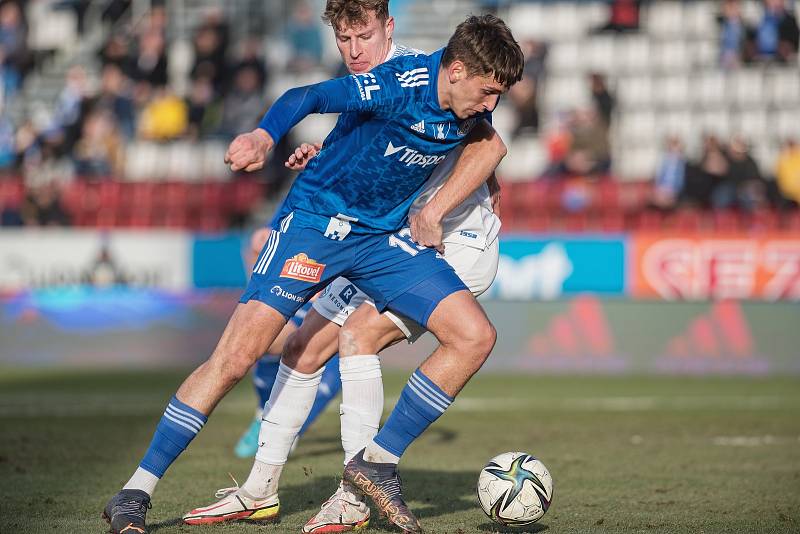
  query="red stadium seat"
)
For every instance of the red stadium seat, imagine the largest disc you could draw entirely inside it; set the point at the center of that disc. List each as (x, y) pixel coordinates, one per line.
(212, 196)
(648, 221)
(210, 222)
(612, 221)
(246, 194)
(764, 220)
(576, 222)
(726, 221)
(792, 221)
(109, 194)
(687, 220)
(174, 196)
(607, 195)
(72, 197)
(12, 192)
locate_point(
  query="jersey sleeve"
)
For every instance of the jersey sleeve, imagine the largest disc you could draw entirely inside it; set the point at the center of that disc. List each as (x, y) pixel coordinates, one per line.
(378, 90)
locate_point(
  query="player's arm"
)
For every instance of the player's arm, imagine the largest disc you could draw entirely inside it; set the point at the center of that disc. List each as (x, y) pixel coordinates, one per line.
(351, 93)
(483, 152)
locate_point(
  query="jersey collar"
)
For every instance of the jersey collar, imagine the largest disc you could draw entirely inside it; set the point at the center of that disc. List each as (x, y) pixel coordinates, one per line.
(392, 50)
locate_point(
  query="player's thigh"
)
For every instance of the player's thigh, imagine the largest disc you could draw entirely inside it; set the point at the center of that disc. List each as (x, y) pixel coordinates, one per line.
(368, 332)
(249, 332)
(293, 324)
(311, 345)
(280, 341)
(458, 319)
(476, 267)
(403, 276)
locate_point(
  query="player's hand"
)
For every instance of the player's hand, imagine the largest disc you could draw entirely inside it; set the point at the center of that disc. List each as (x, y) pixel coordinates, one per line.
(302, 155)
(426, 230)
(248, 151)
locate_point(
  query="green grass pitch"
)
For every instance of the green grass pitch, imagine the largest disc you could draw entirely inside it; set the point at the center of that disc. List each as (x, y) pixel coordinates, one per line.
(627, 454)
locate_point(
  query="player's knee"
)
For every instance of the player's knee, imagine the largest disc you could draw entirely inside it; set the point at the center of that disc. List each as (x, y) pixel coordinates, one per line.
(230, 367)
(299, 355)
(352, 340)
(293, 349)
(477, 338)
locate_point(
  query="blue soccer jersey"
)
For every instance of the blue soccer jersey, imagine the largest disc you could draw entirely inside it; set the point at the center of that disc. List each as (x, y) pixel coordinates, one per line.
(391, 135)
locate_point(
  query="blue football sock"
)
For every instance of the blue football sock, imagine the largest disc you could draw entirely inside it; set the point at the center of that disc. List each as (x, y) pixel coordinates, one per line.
(421, 403)
(177, 428)
(264, 374)
(329, 387)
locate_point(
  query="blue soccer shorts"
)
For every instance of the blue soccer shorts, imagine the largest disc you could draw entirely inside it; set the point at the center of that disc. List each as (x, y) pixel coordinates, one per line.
(298, 261)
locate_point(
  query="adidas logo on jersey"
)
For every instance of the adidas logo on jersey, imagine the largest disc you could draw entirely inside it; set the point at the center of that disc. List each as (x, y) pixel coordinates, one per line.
(412, 157)
(413, 78)
(419, 127)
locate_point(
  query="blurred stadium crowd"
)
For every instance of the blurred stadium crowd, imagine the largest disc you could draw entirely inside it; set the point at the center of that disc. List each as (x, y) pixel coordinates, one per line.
(632, 114)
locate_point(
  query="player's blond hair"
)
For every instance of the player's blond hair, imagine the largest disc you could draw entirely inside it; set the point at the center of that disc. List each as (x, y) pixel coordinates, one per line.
(343, 13)
(485, 46)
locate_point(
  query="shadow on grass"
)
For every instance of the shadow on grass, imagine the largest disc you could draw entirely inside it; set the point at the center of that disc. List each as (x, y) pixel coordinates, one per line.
(154, 527)
(431, 493)
(494, 527)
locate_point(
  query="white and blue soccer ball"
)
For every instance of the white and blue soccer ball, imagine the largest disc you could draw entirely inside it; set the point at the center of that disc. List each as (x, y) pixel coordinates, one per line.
(515, 489)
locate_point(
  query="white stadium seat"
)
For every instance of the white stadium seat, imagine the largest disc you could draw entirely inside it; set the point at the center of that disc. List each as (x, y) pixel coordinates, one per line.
(565, 57)
(785, 123)
(144, 161)
(632, 54)
(709, 88)
(635, 91)
(183, 162)
(636, 128)
(599, 52)
(680, 123)
(670, 56)
(665, 18)
(566, 92)
(715, 121)
(752, 124)
(672, 91)
(637, 163)
(700, 18)
(783, 87)
(747, 87)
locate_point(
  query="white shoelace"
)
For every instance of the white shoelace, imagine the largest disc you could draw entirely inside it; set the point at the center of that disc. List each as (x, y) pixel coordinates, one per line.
(224, 492)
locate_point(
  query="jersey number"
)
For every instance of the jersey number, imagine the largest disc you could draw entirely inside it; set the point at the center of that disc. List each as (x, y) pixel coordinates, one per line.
(403, 240)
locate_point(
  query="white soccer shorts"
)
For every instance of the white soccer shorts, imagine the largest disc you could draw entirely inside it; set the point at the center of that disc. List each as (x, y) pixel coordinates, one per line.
(476, 268)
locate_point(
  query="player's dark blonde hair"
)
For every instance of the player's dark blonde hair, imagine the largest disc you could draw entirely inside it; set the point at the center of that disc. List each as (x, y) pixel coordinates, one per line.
(486, 47)
(342, 13)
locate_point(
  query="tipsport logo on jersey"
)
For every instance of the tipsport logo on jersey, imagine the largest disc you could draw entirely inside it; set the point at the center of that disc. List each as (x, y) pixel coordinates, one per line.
(303, 268)
(409, 156)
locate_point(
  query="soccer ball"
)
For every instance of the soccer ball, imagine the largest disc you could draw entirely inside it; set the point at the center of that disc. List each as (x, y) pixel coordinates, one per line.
(515, 489)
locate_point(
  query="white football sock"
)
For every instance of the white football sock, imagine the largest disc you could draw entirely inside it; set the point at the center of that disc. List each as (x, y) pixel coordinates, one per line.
(362, 401)
(376, 453)
(263, 480)
(142, 480)
(285, 412)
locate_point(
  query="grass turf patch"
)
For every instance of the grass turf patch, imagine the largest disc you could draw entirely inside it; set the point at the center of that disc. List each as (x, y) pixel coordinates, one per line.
(627, 454)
